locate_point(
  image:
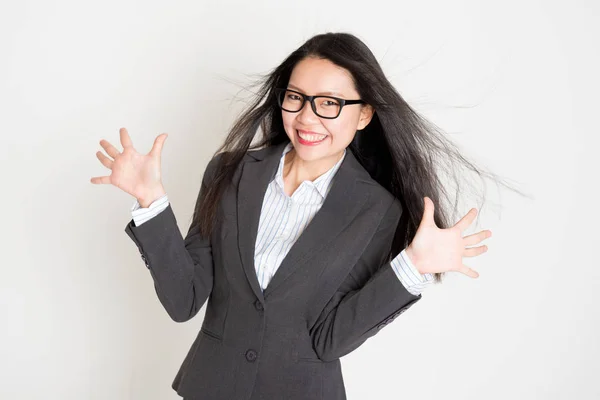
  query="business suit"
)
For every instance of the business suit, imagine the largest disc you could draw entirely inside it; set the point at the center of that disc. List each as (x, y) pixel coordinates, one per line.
(284, 342)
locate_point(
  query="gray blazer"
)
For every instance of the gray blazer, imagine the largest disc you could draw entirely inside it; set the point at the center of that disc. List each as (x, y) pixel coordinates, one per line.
(333, 290)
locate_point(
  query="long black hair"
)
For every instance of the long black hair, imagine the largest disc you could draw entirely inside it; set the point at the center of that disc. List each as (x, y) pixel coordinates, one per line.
(402, 151)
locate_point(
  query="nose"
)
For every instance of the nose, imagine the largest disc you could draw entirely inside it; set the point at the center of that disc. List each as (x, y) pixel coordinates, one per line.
(306, 113)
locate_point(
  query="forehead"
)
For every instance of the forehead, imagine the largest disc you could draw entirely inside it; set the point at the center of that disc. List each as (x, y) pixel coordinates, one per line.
(319, 76)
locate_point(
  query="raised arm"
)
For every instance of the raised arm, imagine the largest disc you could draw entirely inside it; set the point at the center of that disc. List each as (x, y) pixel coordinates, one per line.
(182, 268)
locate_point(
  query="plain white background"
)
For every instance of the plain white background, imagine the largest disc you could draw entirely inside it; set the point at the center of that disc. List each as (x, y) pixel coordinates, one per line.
(514, 83)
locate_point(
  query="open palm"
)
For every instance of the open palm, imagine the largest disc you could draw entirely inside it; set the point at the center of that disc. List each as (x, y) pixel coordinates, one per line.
(435, 250)
(135, 173)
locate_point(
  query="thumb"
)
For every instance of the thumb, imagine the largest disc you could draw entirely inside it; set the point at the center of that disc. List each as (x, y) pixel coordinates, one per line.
(427, 211)
(158, 144)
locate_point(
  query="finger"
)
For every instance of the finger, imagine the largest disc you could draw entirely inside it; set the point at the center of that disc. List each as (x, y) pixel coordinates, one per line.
(158, 144)
(468, 271)
(465, 221)
(428, 212)
(100, 179)
(474, 251)
(107, 162)
(476, 237)
(110, 149)
(125, 139)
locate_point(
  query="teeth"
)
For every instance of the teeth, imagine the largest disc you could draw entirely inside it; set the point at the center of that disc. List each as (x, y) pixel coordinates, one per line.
(312, 138)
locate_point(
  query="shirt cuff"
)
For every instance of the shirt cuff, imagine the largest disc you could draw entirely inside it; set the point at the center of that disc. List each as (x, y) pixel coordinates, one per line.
(141, 214)
(411, 278)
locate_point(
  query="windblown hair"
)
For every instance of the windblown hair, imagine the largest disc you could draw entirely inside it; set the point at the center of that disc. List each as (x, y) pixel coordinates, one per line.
(401, 150)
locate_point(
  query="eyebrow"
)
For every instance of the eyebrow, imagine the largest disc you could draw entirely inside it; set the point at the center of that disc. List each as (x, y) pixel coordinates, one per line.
(319, 94)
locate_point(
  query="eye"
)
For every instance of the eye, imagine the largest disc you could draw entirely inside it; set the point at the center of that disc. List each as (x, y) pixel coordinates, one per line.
(328, 103)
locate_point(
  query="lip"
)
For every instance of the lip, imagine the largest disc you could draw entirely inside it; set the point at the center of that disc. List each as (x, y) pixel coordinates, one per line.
(304, 142)
(310, 132)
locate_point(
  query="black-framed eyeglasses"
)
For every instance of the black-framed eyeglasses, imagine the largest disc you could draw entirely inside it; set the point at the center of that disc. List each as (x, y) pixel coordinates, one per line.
(324, 106)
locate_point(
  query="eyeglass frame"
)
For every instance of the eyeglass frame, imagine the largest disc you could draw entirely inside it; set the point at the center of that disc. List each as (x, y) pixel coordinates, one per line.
(311, 99)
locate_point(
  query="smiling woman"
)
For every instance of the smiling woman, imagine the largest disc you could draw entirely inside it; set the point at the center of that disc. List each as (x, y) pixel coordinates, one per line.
(308, 243)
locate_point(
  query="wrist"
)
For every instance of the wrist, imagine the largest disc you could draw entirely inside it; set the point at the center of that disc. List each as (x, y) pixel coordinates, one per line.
(146, 200)
(411, 255)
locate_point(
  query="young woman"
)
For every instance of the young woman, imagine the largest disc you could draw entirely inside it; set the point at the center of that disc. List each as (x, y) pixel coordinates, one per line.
(307, 243)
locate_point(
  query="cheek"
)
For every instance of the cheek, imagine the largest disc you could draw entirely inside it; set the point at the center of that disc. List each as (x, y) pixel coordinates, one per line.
(288, 119)
(288, 124)
(342, 129)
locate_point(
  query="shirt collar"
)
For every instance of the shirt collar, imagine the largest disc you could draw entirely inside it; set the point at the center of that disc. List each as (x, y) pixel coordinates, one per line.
(322, 183)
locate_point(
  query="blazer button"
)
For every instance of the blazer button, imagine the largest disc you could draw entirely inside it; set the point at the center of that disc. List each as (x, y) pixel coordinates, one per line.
(251, 355)
(258, 305)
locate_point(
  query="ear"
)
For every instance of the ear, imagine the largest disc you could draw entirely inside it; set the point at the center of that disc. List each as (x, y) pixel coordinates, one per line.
(366, 114)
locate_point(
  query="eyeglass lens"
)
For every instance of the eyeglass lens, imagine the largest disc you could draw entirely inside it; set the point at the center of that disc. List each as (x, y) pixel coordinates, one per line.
(327, 107)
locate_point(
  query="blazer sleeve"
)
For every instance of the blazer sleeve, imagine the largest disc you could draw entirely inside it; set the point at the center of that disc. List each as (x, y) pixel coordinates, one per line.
(182, 268)
(365, 302)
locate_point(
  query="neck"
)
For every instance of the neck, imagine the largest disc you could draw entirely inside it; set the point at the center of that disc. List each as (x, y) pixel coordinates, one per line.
(297, 170)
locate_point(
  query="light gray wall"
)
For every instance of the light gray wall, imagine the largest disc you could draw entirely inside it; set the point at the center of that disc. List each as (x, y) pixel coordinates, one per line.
(515, 83)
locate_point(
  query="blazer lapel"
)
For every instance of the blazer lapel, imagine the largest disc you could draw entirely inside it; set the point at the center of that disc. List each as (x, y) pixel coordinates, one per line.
(340, 207)
(256, 175)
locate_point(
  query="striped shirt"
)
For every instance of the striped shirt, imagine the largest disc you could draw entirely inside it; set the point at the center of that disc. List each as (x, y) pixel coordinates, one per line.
(282, 220)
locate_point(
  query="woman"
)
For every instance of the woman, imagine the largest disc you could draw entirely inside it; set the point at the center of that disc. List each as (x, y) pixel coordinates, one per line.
(307, 243)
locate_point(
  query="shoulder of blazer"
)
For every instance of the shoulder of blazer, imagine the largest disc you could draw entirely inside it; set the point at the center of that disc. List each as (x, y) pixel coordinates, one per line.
(379, 195)
(383, 200)
(215, 162)
(210, 168)
(259, 154)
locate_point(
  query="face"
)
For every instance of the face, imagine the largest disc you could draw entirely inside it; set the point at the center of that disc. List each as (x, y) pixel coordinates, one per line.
(313, 76)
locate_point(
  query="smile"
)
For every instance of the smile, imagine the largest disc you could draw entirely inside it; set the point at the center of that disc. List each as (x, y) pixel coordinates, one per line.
(310, 139)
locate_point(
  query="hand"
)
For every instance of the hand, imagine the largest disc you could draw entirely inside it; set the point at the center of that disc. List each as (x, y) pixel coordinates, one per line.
(440, 250)
(132, 172)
